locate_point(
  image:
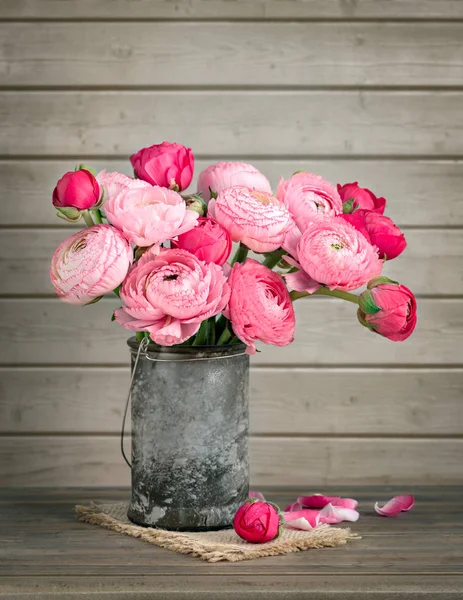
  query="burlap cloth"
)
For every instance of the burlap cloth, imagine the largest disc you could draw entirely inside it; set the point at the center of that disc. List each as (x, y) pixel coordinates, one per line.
(213, 546)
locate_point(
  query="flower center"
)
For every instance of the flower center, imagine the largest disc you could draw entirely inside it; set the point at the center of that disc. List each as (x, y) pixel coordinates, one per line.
(172, 277)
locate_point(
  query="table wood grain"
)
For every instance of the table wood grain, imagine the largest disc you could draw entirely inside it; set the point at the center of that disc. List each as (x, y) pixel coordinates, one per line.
(45, 553)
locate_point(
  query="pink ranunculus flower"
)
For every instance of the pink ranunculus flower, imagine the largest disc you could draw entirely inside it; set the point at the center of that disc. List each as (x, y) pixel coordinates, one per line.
(255, 218)
(388, 308)
(150, 215)
(167, 165)
(363, 197)
(380, 231)
(89, 264)
(309, 198)
(224, 175)
(170, 295)
(257, 522)
(115, 182)
(209, 241)
(260, 306)
(332, 252)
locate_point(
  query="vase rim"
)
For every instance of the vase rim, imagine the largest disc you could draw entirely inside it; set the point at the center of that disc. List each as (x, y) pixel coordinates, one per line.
(191, 351)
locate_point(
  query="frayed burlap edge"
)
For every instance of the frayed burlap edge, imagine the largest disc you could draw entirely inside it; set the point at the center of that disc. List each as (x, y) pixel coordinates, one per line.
(323, 536)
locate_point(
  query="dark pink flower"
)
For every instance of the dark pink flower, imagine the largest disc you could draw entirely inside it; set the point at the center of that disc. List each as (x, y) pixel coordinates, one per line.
(380, 231)
(363, 197)
(167, 165)
(209, 241)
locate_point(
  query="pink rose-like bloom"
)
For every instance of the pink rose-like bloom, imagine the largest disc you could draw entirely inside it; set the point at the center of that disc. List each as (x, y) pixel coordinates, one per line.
(364, 198)
(255, 218)
(150, 215)
(257, 522)
(332, 252)
(389, 309)
(115, 182)
(209, 241)
(260, 306)
(224, 175)
(309, 198)
(170, 295)
(76, 189)
(167, 165)
(89, 264)
(380, 231)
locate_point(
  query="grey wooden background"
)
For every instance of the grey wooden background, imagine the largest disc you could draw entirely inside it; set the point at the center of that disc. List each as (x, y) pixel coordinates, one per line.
(351, 89)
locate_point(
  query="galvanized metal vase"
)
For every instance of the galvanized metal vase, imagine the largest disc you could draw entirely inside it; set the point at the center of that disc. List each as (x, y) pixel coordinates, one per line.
(190, 467)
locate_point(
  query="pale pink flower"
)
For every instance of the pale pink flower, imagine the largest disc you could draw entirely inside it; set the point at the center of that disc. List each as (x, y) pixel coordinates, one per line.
(150, 215)
(224, 175)
(332, 252)
(115, 182)
(260, 306)
(89, 264)
(309, 197)
(170, 295)
(255, 218)
(395, 505)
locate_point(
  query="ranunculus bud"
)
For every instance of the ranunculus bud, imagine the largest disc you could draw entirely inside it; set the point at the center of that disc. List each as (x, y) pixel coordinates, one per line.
(380, 231)
(388, 308)
(167, 165)
(208, 241)
(363, 197)
(76, 191)
(257, 522)
(196, 204)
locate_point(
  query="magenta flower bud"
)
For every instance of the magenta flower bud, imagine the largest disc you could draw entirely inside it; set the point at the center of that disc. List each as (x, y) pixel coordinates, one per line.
(76, 191)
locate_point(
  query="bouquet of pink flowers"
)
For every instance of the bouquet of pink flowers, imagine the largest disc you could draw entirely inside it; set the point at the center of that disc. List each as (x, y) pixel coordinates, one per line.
(167, 254)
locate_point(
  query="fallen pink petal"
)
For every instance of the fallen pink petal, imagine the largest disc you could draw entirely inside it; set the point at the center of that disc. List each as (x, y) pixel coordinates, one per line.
(395, 505)
(319, 501)
(335, 514)
(311, 516)
(300, 523)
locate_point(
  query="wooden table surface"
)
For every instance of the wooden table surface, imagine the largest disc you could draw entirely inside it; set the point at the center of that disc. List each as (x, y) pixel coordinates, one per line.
(45, 553)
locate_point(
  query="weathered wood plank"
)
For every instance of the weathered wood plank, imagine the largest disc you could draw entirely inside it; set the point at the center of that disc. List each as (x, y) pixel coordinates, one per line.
(418, 192)
(306, 462)
(432, 263)
(283, 401)
(198, 587)
(46, 331)
(299, 123)
(231, 9)
(216, 54)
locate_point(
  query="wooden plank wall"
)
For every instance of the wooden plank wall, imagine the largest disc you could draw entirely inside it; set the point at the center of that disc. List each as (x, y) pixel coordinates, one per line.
(366, 90)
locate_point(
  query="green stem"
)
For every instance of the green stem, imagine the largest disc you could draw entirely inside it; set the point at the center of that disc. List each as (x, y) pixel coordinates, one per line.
(97, 216)
(211, 331)
(87, 218)
(324, 291)
(200, 338)
(273, 258)
(223, 339)
(240, 254)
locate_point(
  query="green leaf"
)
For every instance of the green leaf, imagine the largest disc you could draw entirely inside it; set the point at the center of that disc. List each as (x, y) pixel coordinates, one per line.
(213, 194)
(82, 167)
(300, 171)
(362, 321)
